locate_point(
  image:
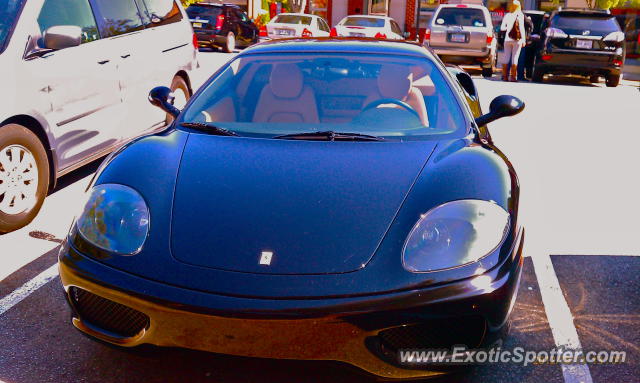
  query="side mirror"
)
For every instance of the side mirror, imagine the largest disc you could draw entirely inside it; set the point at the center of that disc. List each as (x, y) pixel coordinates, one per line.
(501, 106)
(163, 98)
(62, 36)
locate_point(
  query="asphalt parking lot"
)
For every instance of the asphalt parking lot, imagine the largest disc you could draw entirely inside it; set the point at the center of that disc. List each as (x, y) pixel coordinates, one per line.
(574, 148)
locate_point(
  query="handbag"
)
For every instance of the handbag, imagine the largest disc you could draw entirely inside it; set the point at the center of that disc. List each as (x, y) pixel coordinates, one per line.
(514, 33)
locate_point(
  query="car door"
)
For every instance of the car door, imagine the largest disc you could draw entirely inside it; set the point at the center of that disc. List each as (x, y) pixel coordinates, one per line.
(323, 27)
(246, 26)
(79, 83)
(122, 28)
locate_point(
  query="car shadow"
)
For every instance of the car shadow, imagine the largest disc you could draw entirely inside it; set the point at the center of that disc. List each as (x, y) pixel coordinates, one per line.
(77, 175)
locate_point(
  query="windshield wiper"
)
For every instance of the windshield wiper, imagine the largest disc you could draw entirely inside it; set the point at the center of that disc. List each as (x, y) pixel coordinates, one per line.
(209, 129)
(330, 135)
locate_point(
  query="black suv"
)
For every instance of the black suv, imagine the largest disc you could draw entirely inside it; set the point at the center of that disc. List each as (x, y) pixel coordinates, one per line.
(222, 26)
(581, 42)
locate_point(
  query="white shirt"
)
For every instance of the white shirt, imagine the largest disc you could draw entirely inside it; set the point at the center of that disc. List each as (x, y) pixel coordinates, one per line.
(507, 23)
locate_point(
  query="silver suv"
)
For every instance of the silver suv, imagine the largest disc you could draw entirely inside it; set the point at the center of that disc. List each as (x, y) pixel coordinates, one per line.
(463, 34)
(76, 77)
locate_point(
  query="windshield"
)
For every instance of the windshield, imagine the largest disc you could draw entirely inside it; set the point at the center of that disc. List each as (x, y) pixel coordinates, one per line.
(601, 24)
(364, 22)
(465, 17)
(267, 95)
(8, 18)
(292, 19)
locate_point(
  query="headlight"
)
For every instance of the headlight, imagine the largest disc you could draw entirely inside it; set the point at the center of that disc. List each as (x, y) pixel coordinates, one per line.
(115, 219)
(455, 234)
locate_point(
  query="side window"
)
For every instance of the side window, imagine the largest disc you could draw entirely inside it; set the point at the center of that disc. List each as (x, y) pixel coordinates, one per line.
(162, 12)
(395, 28)
(323, 25)
(69, 12)
(117, 17)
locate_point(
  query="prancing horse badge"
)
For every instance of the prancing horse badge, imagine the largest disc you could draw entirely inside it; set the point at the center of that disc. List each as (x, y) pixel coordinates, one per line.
(265, 257)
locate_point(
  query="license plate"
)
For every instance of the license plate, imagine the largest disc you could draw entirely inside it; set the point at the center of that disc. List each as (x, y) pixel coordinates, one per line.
(584, 44)
(354, 34)
(197, 25)
(458, 38)
(284, 32)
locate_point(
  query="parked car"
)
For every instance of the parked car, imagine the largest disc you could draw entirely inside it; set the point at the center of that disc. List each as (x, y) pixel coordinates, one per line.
(379, 27)
(537, 18)
(463, 34)
(581, 42)
(260, 223)
(77, 74)
(224, 26)
(295, 25)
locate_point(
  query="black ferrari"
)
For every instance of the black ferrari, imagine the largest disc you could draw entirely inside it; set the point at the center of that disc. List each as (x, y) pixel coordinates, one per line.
(325, 199)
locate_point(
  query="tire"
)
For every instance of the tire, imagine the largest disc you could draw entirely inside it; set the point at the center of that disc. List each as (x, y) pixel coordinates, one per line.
(487, 72)
(612, 80)
(538, 75)
(230, 42)
(182, 95)
(594, 79)
(24, 176)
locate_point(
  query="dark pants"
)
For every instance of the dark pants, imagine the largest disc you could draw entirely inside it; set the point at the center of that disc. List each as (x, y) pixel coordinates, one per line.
(522, 63)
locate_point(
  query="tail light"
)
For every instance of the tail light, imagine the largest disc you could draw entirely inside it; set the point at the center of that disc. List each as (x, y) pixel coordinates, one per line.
(617, 62)
(547, 57)
(195, 41)
(333, 33)
(380, 35)
(263, 31)
(307, 33)
(219, 21)
(427, 35)
(461, 6)
(489, 38)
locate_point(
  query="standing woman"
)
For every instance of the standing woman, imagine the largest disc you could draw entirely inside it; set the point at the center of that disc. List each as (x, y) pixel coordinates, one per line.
(515, 38)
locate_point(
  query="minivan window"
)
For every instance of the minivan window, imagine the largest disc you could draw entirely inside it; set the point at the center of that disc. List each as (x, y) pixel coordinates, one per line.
(8, 18)
(292, 19)
(163, 12)
(117, 17)
(204, 13)
(583, 22)
(69, 12)
(464, 17)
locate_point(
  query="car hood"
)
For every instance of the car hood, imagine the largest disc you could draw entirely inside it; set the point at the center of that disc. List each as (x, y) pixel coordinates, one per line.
(318, 207)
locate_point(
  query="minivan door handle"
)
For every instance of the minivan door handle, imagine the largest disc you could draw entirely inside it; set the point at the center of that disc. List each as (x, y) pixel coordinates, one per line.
(103, 62)
(125, 56)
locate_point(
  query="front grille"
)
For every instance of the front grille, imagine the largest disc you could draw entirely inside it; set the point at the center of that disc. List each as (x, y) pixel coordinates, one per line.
(107, 315)
(435, 334)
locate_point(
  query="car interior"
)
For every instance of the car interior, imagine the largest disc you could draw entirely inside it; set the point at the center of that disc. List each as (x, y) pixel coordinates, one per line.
(328, 91)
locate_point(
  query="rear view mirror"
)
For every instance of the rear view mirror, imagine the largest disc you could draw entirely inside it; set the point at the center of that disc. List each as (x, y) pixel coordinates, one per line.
(62, 36)
(501, 106)
(163, 98)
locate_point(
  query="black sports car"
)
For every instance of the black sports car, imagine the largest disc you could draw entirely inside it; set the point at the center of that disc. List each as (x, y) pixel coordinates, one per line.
(330, 199)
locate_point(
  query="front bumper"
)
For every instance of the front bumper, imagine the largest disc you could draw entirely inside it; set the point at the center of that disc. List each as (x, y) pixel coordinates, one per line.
(568, 61)
(341, 329)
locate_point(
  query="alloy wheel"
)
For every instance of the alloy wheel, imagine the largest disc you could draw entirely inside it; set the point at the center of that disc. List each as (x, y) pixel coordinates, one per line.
(18, 179)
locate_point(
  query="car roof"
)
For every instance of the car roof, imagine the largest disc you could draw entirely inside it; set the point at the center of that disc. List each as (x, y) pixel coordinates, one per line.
(369, 17)
(209, 4)
(296, 14)
(583, 12)
(533, 12)
(339, 45)
(476, 6)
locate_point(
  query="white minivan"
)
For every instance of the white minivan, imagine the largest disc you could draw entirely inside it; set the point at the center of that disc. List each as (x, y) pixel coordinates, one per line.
(76, 74)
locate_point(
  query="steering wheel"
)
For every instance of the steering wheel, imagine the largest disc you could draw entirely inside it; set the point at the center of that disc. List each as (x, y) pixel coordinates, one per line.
(394, 101)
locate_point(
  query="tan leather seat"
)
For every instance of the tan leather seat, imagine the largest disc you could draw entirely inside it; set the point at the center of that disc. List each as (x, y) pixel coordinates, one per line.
(396, 81)
(286, 98)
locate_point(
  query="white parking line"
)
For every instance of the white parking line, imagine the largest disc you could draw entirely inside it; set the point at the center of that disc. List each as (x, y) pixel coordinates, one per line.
(25, 290)
(559, 316)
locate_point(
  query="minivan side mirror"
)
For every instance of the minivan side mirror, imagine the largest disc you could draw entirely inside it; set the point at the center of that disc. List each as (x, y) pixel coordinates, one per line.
(501, 106)
(62, 36)
(163, 98)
